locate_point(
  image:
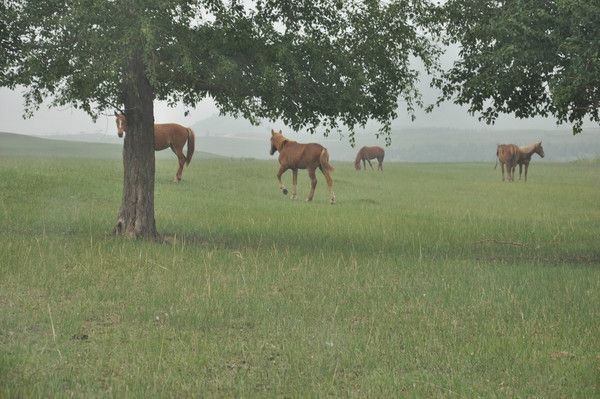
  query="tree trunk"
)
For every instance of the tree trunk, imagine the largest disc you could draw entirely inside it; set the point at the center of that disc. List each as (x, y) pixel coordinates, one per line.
(136, 216)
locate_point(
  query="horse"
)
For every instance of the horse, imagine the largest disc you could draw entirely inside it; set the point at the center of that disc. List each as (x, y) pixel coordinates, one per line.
(365, 154)
(294, 156)
(525, 154)
(507, 154)
(167, 135)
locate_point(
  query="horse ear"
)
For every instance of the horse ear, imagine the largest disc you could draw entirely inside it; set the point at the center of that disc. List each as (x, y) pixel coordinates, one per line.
(272, 132)
(280, 132)
(116, 113)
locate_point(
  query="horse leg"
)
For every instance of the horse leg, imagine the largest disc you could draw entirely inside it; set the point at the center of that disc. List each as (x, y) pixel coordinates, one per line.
(364, 164)
(181, 158)
(502, 167)
(526, 167)
(294, 183)
(520, 170)
(329, 185)
(370, 164)
(313, 183)
(380, 161)
(281, 186)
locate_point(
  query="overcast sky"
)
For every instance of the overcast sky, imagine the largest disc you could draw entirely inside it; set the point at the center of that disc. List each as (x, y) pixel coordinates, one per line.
(66, 120)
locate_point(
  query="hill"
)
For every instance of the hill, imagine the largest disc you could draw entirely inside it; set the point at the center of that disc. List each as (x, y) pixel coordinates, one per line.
(18, 145)
(238, 138)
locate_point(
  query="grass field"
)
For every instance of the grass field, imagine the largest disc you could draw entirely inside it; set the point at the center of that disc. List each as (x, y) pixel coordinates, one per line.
(424, 280)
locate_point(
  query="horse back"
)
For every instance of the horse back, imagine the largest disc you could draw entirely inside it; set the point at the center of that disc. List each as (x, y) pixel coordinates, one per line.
(371, 152)
(169, 134)
(508, 153)
(301, 156)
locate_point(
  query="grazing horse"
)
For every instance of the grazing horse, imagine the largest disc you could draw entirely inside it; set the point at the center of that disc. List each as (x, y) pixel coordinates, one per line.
(294, 156)
(507, 154)
(167, 135)
(365, 154)
(525, 154)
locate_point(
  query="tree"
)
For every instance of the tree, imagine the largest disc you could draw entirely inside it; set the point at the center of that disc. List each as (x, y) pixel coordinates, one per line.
(311, 63)
(530, 57)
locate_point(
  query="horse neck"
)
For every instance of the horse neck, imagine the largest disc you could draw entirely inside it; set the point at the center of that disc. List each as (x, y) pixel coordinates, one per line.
(359, 156)
(285, 145)
(527, 151)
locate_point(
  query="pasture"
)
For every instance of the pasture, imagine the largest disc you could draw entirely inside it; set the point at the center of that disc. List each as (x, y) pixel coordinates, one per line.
(424, 280)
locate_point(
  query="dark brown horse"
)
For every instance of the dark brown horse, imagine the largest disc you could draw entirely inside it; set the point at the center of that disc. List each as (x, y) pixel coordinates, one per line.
(507, 155)
(525, 154)
(365, 154)
(167, 135)
(294, 156)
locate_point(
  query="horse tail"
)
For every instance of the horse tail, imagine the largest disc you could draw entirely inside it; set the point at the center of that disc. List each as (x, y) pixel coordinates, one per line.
(497, 156)
(324, 158)
(190, 146)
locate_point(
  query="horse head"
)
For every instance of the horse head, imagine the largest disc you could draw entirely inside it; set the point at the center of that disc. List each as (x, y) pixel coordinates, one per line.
(539, 149)
(277, 141)
(121, 123)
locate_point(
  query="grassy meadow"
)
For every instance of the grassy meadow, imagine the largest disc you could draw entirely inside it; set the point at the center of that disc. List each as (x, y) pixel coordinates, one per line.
(426, 280)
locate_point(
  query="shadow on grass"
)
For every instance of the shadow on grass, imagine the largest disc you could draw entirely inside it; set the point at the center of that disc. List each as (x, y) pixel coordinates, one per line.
(546, 253)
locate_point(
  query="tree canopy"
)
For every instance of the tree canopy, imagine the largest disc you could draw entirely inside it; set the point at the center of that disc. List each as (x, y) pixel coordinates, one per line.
(527, 57)
(310, 63)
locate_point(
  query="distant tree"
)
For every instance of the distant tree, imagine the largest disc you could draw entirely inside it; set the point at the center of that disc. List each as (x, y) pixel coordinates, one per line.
(309, 62)
(527, 57)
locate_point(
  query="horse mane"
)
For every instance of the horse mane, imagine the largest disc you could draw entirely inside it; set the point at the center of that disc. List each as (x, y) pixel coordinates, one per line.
(280, 140)
(528, 150)
(359, 156)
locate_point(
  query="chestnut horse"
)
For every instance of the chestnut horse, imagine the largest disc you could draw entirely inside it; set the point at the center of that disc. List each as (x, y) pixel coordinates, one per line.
(167, 135)
(365, 154)
(525, 154)
(294, 156)
(507, 155)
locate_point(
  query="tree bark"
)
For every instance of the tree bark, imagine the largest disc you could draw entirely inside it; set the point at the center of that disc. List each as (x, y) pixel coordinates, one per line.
(136, 216)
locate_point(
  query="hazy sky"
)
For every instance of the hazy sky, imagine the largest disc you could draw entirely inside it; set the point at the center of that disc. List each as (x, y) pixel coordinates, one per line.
(66, 120)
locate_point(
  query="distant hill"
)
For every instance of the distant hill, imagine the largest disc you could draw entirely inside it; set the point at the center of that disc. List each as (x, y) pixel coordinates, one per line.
(19, 145)
(238, 138)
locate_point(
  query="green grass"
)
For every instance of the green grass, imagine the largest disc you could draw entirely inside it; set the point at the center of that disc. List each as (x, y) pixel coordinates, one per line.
(424, 280)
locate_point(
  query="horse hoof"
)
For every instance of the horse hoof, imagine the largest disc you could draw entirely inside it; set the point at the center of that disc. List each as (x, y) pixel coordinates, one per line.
(285, 191)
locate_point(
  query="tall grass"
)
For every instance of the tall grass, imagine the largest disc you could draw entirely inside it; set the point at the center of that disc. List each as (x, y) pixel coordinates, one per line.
(424, 280)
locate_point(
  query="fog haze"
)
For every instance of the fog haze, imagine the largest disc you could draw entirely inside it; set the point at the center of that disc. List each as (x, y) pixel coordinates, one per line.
(448, 134)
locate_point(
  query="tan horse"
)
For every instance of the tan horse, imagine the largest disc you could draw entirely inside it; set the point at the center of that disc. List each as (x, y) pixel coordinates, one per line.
(294, 156)
(525, 154)
(507, 155)
(167, 135)
(365, 154)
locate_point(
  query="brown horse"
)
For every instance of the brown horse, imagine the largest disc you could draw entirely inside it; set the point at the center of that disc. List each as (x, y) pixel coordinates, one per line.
(507, 155)
(294, 156)
(365, 154)
(167, 135)
(525, 154)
